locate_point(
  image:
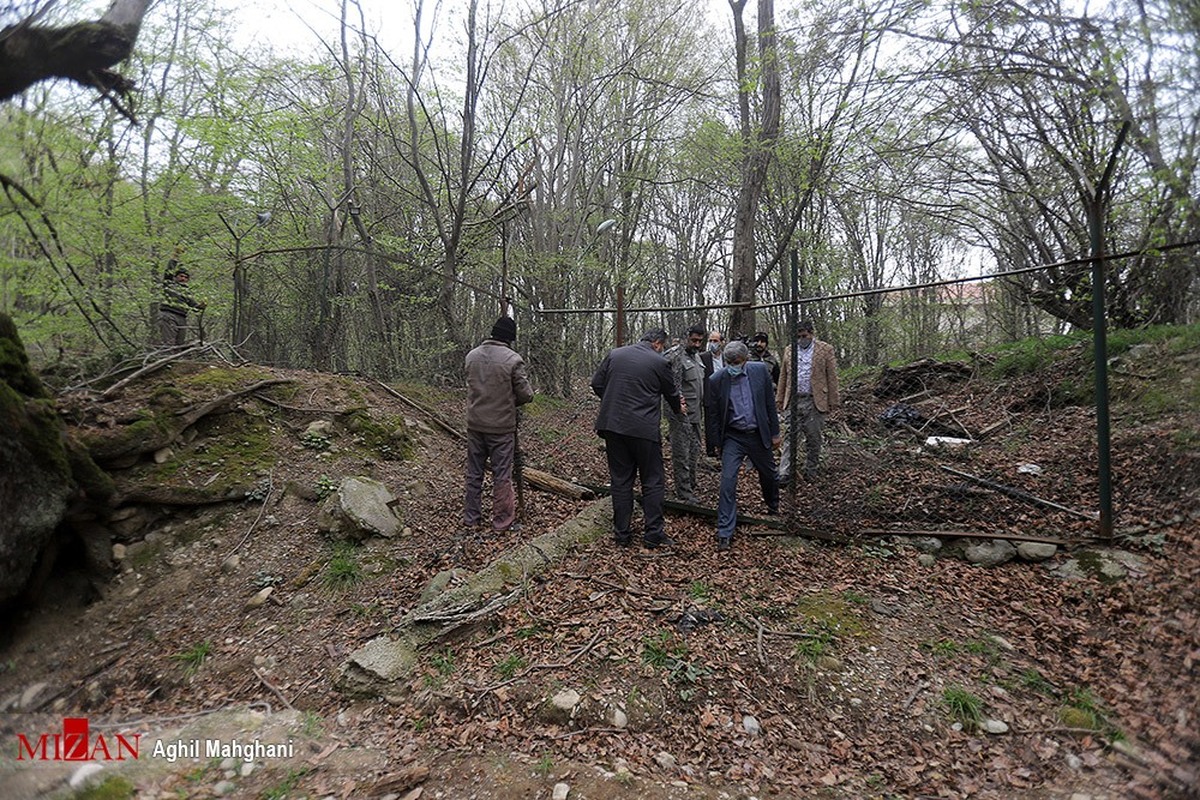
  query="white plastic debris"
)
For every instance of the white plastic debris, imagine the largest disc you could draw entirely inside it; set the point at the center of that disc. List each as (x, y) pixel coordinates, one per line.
(946, 443)
(1029, 469)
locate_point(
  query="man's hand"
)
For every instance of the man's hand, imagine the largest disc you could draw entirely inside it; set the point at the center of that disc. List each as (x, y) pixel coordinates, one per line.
(776, 441)
(682, 404)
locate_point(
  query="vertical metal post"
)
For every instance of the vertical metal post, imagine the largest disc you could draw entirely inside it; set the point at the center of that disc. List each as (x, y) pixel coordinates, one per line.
(620, 314)
(1096, 205)
(793, 325)
(1100, 346)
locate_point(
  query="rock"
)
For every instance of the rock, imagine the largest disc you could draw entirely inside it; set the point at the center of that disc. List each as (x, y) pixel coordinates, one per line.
(118, 552)
(320, 427)
(84, 775)
(566, 700)
(438, 584)
(360, 508)
(223, 788)
(163, 455)
(30, 695)
(926, 560)
(995, 727)
(561, 790)
(990, 553)
(260, 597)
(926, 544)
(232, 563)
(1036, 551)
(618, 719)
(665, 760)
(1105, 565)
(751, 726)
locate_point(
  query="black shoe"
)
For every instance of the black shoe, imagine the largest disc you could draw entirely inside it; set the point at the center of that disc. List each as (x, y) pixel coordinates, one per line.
(689, 498)
(661, 541)
(784, 482)
(772, 512)
(724, 544)
(515, 528)
(623, 539)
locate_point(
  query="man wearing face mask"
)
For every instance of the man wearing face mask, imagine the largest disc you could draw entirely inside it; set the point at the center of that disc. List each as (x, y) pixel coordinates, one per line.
(685, 427)
(712, 358)
(809, 379)
(741, 419)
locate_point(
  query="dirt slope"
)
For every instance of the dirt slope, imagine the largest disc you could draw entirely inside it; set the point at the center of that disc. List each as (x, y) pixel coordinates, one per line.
(804, 668)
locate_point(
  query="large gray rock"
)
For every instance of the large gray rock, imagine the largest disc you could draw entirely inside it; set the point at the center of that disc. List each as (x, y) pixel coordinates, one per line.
(990, 553)
(359, 509)
(1036, 551)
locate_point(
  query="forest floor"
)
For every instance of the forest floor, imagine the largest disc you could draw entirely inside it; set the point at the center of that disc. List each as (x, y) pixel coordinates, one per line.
(844, 666)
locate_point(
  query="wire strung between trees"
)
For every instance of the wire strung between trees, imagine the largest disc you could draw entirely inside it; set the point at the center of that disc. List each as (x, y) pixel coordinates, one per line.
(1074, 262)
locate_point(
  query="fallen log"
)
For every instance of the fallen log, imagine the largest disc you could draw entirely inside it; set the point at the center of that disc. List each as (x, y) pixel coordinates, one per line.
(1020, 494)
(426, 410)
(549, 483)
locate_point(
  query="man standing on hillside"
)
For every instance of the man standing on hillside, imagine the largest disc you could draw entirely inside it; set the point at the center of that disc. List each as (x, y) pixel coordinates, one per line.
(176, 300)
(631, 382)
(496, 384)
(809, 379)
(742, 423)
(688, 374)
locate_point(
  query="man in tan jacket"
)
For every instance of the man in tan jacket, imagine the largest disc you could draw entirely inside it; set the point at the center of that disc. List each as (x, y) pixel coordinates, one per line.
(808, 379)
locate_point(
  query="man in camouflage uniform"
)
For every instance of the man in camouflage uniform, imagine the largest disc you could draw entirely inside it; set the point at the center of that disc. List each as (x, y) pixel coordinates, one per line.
(688, 372)
(173, 308)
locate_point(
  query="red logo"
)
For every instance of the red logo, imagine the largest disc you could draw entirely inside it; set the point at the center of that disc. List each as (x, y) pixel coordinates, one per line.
(75, 744)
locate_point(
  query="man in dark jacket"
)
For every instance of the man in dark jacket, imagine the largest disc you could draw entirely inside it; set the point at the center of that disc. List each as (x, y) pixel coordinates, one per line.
(496, 384)
(742, 421)
(631, 382)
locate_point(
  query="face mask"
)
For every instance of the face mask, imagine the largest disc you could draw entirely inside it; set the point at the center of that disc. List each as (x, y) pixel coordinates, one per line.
(714, 347)
(735, 371)
(804, 342)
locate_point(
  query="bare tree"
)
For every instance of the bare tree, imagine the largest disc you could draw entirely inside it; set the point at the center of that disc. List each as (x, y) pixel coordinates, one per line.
(757, 143)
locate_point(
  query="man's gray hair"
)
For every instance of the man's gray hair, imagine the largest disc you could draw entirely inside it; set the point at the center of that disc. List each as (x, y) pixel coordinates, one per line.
(655, 335)
(736, 352)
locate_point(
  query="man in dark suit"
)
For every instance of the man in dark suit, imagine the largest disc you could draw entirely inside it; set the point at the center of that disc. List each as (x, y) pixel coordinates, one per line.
(631, 383)
(742, 422)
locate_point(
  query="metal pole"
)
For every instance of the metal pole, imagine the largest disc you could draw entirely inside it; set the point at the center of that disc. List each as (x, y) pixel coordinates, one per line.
(1096, 207)
(793, 325)
(620, 314)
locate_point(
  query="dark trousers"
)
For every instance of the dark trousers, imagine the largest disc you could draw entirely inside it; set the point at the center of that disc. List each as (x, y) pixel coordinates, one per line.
(501, 449)
(737, 447)
(628, 458)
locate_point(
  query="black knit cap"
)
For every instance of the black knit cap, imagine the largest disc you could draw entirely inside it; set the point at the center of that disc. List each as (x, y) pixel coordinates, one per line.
(505, 330)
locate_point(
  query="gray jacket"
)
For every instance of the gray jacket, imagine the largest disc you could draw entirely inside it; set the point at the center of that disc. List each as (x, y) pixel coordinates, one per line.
(631, 382)
(496, 384)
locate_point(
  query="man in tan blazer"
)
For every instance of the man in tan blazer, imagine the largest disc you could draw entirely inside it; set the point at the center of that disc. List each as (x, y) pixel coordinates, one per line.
(808, 379)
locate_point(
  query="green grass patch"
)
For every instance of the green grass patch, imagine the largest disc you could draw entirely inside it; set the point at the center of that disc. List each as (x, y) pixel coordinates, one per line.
(963, 706)
(193, 658)
(510, 666)
(286, 786)
(343, 570)
(1081, 710)
(114, 787)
